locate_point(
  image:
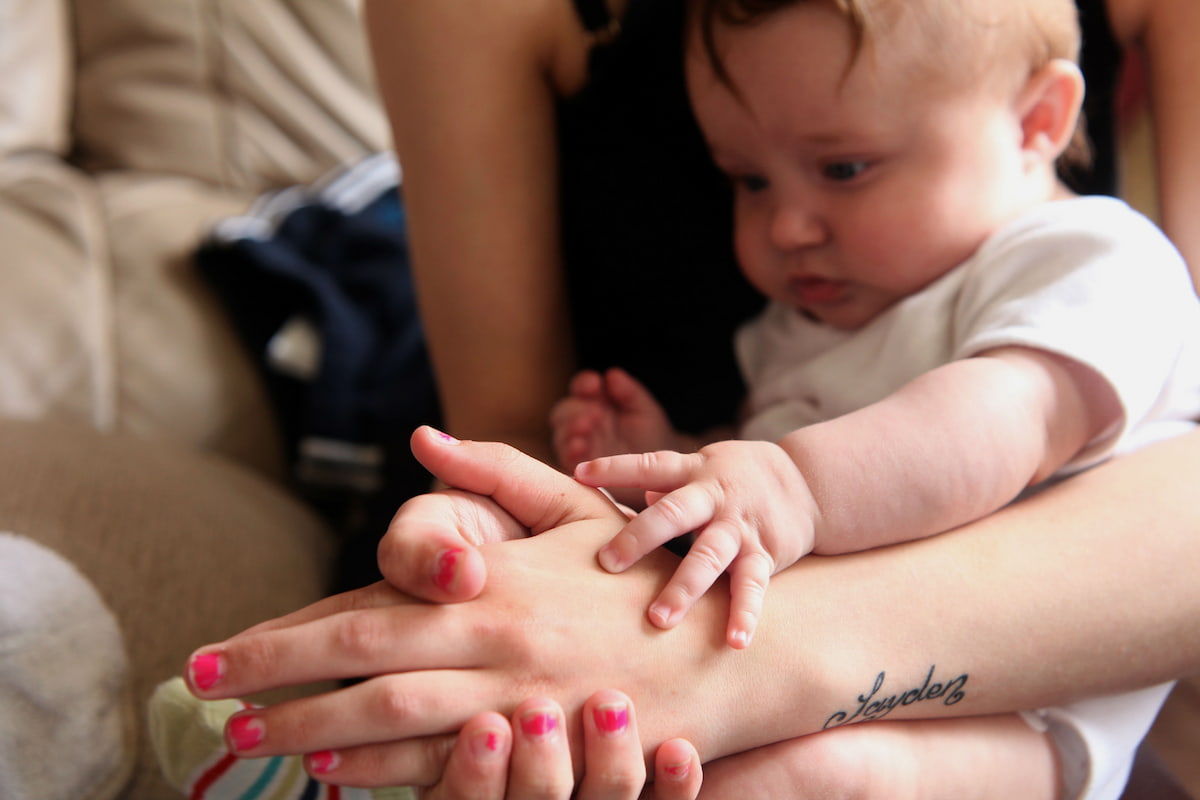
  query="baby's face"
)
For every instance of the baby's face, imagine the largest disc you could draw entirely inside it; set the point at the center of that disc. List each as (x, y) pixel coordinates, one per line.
(858, 180)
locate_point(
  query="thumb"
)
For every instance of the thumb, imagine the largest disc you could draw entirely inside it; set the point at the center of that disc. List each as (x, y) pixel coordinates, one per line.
(533, 493)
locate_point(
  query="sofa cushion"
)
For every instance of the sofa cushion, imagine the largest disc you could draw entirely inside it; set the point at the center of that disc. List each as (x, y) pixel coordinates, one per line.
(184, 548)
(249, 96)
(35, 60)
(55, 320)
(104, 320)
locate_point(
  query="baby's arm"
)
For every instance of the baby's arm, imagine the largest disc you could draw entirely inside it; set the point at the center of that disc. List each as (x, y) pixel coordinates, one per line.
(951, 446)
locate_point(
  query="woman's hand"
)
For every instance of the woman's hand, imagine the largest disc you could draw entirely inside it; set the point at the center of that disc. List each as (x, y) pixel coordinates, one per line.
(549, 622)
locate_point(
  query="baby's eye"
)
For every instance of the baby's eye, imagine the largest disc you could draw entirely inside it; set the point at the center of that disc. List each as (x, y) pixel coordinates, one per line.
(750, 183)
(844, 170)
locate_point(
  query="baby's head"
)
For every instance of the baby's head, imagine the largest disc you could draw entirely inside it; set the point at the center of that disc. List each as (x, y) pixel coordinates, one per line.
(875, 144)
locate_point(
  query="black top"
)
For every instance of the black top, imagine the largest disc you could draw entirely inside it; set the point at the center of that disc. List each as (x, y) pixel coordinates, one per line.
(1100, 61)
(647, 225)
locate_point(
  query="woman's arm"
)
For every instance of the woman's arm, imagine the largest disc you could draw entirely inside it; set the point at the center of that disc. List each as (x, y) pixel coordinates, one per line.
(1087, 588)
(1165, 32)
(470, 90)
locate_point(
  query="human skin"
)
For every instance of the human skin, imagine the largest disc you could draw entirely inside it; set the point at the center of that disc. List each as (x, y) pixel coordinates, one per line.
(494, 757)
(1033, 572)
(486, 211)
(1164, 34)
(859, 181)
(470, 89)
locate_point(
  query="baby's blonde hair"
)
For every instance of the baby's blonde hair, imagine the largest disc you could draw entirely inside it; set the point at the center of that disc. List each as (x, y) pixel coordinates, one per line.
(970, 40)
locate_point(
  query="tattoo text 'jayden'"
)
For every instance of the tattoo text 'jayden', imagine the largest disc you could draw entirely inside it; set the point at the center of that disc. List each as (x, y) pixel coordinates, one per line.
(870, 707)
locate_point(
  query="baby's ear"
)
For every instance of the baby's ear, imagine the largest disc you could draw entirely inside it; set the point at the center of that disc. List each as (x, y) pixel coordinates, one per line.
(1049, 107)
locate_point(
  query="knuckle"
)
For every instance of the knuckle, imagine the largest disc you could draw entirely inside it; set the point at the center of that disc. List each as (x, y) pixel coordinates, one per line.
(706, 556)
(359, 636)
(393, 704)
(615, 783)
(671, 509)
(257, 655)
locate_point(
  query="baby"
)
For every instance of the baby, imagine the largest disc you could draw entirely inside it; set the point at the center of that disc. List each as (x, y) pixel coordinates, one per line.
(947, 325)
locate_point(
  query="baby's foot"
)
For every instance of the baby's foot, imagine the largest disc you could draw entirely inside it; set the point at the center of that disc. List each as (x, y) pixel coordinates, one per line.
(189, 740)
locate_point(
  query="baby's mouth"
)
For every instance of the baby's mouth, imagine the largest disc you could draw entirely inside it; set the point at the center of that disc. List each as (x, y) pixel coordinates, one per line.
(817, 291)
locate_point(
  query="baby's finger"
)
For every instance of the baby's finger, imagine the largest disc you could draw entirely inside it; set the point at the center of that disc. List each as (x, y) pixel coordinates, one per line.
(748, 578)
(713, 551)
(588, 383)
(541, 758)
(660, 471)
(672, 515)
(614, 765)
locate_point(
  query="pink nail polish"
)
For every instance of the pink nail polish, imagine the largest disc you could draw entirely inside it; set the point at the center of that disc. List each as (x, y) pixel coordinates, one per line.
(539, 724)
(611, 718)
(245, 732)
(486, 744)
(679, 771)
(447, 568)
(324, 762)
(206, 671)
(445, 437)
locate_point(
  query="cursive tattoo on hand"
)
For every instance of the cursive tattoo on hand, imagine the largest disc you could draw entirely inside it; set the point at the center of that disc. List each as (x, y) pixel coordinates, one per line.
(870, 708)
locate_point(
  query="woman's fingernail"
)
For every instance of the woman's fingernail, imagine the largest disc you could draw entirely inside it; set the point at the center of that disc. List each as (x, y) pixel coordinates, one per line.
(245, 732)
(445, 437)
(611, 717)
(487, 744)
(539, 724)
(678, 771)
(324, 762)
(446, 568)
(206, 670)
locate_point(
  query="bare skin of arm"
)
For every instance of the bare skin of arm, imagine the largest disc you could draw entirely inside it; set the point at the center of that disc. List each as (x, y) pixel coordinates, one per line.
(1165, 31)
(470, 89)
(1084, 589)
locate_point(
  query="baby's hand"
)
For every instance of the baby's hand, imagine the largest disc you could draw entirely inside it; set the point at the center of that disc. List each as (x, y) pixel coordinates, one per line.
(605, 415)
(750, 506)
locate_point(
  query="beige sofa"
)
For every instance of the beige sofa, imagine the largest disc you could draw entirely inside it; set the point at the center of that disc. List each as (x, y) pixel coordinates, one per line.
(137, 444)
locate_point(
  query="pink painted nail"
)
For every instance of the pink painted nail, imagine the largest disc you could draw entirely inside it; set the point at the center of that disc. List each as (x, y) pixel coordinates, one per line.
(324, 762)
(445, 437)
(487, 744)
(679, 771)
(245, 732)
(206, 670)
(611, 718)
(539, 724)
(447, 568)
